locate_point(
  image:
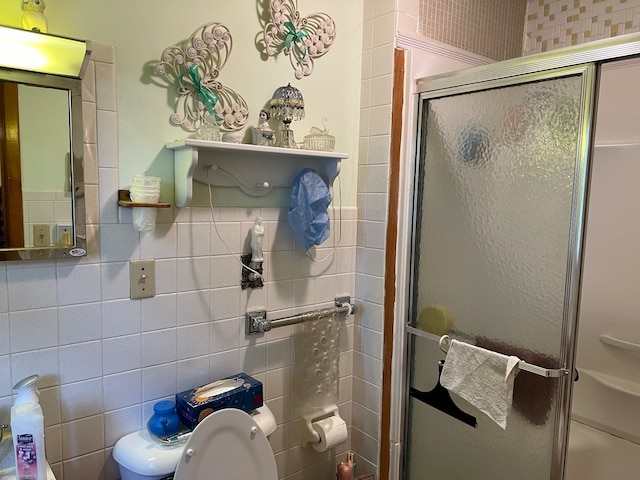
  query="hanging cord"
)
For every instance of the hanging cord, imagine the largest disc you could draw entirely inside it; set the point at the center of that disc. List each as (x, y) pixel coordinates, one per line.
(335, 245)
(215, 227)
(237, 180)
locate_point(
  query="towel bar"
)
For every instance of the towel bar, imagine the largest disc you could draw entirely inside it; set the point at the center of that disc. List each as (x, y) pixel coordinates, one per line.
(257, 322)
(444, 340)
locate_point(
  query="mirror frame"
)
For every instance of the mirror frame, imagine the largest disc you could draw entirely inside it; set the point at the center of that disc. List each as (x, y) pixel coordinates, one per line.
(76, 145)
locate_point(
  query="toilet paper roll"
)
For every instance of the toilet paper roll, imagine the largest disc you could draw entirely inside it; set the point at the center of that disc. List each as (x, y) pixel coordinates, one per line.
(332, 431)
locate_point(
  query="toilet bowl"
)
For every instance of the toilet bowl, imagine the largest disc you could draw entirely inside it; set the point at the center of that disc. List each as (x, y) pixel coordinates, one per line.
(228, 444)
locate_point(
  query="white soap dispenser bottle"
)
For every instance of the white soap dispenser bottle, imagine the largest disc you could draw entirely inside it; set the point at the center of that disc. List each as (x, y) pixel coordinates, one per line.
(27, 427)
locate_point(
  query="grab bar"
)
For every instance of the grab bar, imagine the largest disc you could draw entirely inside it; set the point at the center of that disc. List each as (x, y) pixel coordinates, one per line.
(527, 367)
(618, 343)
(257, 321)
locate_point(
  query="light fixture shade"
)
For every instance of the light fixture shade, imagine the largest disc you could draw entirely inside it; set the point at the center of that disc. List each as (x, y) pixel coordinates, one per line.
(287, 103)
(42, 52)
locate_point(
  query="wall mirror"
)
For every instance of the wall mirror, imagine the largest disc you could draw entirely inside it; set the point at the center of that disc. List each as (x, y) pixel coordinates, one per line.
(41, 171)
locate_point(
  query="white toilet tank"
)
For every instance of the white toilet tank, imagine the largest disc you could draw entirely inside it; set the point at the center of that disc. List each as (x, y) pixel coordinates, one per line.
(142, 456)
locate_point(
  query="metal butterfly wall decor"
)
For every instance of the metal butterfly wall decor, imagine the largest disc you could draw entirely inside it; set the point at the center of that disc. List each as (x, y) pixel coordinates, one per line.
(193, 71)
(302, 39)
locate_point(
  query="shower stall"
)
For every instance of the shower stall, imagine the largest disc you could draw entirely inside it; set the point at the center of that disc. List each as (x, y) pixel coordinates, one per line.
(507, 169)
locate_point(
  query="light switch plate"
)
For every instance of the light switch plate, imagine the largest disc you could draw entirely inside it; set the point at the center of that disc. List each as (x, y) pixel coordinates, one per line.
(41, 235)
(143, 278)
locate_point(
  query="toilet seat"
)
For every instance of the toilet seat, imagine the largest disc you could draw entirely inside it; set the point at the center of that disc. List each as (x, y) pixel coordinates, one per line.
(227, 445)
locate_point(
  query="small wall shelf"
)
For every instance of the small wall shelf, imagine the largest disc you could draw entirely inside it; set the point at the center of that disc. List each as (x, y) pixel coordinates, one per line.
(256, 170)
(124, 200)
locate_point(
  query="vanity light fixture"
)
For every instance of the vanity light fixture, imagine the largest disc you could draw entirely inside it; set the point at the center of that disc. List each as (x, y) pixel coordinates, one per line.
(42, 52)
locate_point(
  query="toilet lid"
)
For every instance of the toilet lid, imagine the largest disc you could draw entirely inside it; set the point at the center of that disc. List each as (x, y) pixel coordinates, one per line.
(227, 445)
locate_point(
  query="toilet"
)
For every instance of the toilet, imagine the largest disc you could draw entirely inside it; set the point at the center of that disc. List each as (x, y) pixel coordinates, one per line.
(228, 444)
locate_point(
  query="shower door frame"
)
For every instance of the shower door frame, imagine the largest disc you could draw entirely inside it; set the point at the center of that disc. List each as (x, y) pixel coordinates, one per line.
(594, 54)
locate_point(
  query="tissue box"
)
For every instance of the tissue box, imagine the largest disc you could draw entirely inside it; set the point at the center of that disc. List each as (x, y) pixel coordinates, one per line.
(237, 391)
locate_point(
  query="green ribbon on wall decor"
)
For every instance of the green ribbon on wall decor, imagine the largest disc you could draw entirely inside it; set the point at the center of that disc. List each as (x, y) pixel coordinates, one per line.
(208, 97)
(294, 36)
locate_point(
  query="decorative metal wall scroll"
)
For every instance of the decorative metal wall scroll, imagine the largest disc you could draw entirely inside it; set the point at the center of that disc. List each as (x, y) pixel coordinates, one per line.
(193, 72)
(302, 39)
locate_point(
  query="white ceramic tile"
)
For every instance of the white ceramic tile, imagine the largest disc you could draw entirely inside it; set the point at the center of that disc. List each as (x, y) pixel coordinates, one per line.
(382, 61)
(366, 394)
(162, 244)
(119, 243)
(79, 284)
(166, 274)
(280, 295)
(384, 30)
(89, 122)
(278, 382)
(82, 436)
(279, 354)
(122, 389)
(225, 303)
(5, 344)
(226, 237)
(105, 86)
(84, 466)
(79, 323)
(89, 83)
(159, 381)
(225, 334)
(121, 354)
(376, 207)
(381, 90)
(224, 364)
(365, 121)
(225, 271)
(280, 237)
(193, 307)
(80, 361)
(45, 362)
(380, 122)
(194, 239)
(159, 312)
(193, 341)
(159, 346)
(31, 288)
(107, 124)
(367, 35)
(119, 423)
(120, 317)
(193, 373)
(373, 289)
(33, 329)
(108, 195)
(279, 266)
(375, 234)
(53, 443)
(6, 386)
(115, 280)
(253, 359)
(194, 273)
(81, 399)
(102, 52)
(304, 292)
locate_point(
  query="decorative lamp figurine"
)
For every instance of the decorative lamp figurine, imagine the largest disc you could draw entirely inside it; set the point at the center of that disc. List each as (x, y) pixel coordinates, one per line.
(263, 134)
(33, 15)
(287, 105)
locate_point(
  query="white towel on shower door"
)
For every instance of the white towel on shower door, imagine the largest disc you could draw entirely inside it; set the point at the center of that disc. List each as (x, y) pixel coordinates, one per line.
(482, 377)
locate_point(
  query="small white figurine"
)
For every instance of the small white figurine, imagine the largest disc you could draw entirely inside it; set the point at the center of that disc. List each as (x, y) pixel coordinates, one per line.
(33, 17)
(257, 236)
(263, 134)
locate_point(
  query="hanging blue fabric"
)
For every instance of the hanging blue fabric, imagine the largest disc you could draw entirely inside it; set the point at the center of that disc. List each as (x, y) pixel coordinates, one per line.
(308, 216)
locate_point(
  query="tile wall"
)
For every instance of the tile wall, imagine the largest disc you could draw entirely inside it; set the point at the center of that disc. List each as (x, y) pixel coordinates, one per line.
(104, 359)
(552, 24)
(492, 28)
(50, 207)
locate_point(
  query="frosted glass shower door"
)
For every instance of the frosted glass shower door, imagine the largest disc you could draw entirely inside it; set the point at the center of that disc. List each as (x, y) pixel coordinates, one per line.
(498, 221)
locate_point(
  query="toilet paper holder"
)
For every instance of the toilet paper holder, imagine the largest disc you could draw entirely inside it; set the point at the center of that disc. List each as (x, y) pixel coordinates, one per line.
(309, 434)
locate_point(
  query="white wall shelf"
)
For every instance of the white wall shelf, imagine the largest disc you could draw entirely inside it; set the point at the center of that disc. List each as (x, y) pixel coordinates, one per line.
(256, 170)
